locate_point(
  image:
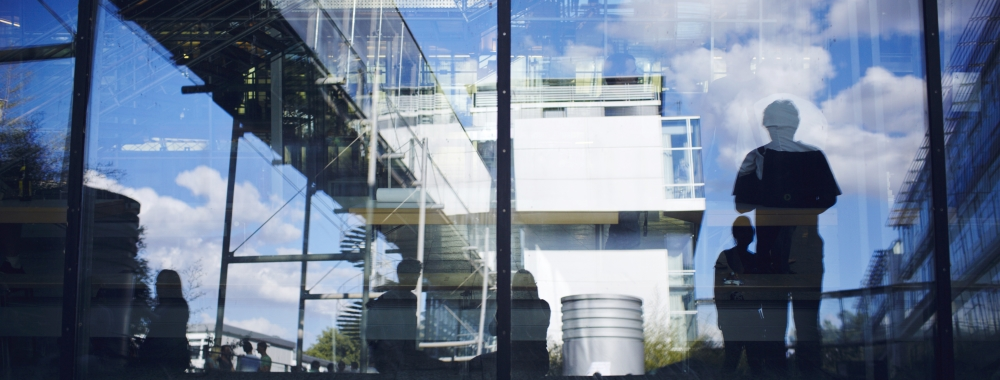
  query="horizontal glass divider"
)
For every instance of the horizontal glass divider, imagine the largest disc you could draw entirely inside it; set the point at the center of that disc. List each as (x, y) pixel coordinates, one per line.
(295, 258)
(338, 296)
(36, 53)
(448, 344)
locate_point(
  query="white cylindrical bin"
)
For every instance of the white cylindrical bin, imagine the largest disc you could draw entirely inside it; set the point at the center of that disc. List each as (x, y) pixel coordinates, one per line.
(602, 333)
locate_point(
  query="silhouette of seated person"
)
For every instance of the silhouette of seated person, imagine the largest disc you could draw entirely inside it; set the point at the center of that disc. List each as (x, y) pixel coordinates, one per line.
(211, 355)
(165, 349)
(738, 315)
(392, 325)
(226, 359)
(11, 264)
(248, 362)
(620, 69)
(788, 184)
(529, 320)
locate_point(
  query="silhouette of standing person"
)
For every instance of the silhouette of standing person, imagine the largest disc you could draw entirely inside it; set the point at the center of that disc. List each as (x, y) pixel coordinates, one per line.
(265, 359)
(166, 347)
(789, 184)
(739, 319)
(529, 317)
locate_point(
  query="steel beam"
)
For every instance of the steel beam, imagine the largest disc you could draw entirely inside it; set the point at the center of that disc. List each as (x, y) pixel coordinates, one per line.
(36, 53)
(944, 353)
(339, 296)
(503, 209)
(73, 280)
(227, 232)
(295, 258)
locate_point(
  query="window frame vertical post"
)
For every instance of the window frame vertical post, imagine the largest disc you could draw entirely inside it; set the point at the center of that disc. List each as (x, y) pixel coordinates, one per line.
(504, 211)
(72, 302)
(944, 355)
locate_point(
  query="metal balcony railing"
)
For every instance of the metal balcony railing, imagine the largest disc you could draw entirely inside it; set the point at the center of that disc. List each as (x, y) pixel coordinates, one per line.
(573, 94)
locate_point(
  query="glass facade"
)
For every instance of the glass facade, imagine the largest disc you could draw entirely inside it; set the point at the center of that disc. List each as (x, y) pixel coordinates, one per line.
(515, 189)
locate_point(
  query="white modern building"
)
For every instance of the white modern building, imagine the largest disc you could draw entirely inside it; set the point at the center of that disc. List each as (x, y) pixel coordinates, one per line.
(282, 351)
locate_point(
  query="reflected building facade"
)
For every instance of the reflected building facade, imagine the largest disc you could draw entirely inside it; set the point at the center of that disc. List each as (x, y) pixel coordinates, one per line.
(897, 309)
(283, 156)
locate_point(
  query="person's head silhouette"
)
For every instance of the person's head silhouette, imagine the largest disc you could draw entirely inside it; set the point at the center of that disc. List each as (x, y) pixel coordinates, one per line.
(247, 346)
(620, 68)
(168, 285)
(781, 116)
(743, 231)
(523, 285)
(408, 272)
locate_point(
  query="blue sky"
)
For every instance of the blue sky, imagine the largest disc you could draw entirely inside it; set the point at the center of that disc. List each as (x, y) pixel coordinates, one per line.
(842, 80)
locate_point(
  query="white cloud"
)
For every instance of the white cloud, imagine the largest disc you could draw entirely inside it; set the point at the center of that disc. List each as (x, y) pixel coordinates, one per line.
(259, 325)
(188, 237)
(872, 128)
(728, 119)
(876, 127)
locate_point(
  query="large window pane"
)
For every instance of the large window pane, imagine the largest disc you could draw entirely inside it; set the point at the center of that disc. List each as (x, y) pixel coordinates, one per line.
(304, 184)
(636, 253)
(34, 129)
(37, 23)
(970, 78)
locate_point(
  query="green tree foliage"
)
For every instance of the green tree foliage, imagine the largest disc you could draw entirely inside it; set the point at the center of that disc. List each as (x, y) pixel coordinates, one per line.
(555, 359)
(663, 343)
(29, 158)
(348, 347)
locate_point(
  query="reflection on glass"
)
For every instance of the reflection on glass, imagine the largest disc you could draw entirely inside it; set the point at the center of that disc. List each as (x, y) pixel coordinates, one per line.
(34, 115)
(970, 104)
(627, 192)
(306, 175)
(41, 29)
(703, 189)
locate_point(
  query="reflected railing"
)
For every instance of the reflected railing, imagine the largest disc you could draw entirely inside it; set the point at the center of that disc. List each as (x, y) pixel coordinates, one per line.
(574, 94)
(418, 134)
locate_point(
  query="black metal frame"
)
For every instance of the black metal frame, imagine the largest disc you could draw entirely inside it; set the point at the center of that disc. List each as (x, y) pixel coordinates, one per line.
(944, 345)
(83, 51)
(503, 152)
(73, 286)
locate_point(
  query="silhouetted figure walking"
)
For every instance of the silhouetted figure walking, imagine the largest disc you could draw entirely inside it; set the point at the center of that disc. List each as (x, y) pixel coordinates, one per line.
(789, 184)
(166, 347)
